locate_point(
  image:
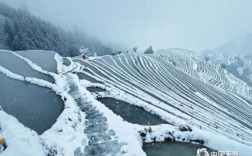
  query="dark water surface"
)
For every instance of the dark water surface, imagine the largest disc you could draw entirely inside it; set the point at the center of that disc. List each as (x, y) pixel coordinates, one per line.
(20, 67)
(95, 89)
(66, 62)
(172, 149)
(34, 106)
(131, 113)
(88, 78)
(44, 59)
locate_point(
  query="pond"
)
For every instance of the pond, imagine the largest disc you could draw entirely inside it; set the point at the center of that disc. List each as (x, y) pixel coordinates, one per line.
(172, 149)
(86, 77)
(20, 67)
(138, 115)
(131, 113)
(66, 62)
(44, 59)
(95, 89)
(34, 106)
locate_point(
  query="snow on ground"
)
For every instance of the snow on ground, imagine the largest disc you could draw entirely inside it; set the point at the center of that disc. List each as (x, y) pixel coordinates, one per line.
(117, 73)
(164, 131)
(67, 134)
(209, 71)
(20, 140)
(239, 65)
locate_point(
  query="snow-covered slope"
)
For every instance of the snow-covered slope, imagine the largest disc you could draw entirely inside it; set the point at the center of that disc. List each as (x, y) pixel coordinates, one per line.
(183, 96)
(195, 65)
(238, 65)
(177, 88)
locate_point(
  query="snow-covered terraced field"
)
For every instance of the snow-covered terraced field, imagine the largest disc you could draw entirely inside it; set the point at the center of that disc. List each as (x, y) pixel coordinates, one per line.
(208, 73)
(179, 89)
(239, 65)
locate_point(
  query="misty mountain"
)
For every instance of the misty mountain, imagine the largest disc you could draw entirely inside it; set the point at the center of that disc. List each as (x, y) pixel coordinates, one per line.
(20, 30)
(238, 46)
(235, 56)
(238, 65)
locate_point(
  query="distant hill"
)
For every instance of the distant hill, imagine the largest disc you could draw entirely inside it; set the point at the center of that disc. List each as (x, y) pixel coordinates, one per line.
(241, 45)
(239, 65)
(221, 70)
(235, 56)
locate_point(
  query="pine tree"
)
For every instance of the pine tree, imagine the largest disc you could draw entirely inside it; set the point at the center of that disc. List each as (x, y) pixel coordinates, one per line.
(24, 31)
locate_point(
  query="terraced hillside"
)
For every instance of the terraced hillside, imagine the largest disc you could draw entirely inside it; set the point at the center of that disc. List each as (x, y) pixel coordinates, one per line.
(108, 100)
(186, 90)
(211, 74)
(239, 65)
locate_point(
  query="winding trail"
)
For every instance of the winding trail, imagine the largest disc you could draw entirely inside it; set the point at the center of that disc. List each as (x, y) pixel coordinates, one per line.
(102, 141)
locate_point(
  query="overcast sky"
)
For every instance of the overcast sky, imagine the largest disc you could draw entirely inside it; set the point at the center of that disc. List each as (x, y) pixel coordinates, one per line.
(190, 24)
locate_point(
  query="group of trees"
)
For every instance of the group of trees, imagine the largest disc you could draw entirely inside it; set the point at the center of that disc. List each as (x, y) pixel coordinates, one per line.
(20, 30)
(23, 31)
(147, 51)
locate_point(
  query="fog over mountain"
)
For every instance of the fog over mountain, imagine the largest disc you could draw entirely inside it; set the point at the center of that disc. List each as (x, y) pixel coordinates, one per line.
(240, 45)
(190, 24)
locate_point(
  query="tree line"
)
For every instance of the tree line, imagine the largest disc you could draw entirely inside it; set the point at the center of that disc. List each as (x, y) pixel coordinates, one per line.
(24, 31)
